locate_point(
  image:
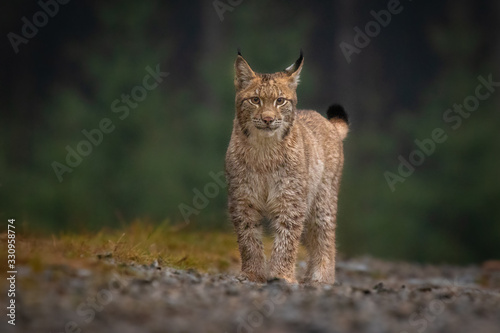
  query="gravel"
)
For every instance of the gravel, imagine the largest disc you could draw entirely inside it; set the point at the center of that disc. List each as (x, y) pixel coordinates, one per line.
(369, 296)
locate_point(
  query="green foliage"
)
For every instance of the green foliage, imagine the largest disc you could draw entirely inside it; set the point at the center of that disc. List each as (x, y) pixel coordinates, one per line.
(445, 210)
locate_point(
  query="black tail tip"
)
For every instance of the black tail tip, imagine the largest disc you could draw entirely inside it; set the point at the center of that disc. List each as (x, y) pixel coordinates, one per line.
(337, 111)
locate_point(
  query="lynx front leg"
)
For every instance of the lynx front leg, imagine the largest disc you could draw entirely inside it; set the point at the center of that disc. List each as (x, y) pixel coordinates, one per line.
(248, 226)
(288, 227)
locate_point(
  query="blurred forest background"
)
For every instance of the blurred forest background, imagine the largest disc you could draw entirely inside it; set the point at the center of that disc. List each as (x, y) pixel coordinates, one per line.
(396, 89)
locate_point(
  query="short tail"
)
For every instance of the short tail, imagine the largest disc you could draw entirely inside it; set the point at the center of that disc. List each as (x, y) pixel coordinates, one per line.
(338, 117)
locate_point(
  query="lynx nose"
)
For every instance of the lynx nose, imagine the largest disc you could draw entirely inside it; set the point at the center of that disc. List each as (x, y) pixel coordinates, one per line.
(268, 120)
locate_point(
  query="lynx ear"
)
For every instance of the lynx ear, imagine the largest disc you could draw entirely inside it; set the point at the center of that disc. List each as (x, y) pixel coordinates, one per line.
(243, 73)
(294, 70)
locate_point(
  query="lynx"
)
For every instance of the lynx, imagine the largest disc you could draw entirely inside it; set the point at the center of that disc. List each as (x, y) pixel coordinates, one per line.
(283, 165)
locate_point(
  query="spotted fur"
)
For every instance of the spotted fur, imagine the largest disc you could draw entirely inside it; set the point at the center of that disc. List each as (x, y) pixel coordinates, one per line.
(285, 165)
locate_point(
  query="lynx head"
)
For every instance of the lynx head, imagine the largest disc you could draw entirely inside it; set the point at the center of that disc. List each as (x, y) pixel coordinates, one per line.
(265, 103)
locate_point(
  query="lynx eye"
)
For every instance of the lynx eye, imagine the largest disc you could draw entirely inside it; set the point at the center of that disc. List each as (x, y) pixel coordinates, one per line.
(255, 100)
(280, 101)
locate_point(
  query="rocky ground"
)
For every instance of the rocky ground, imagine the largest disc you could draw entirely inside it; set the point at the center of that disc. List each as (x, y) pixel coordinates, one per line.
(369, 296)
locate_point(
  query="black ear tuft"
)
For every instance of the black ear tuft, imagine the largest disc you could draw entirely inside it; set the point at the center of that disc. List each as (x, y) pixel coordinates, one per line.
(337, 111)
(239, 51)
(295, 66)
(299, 61)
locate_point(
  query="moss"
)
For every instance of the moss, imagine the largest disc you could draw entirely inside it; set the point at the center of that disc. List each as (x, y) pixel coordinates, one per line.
(141, 243)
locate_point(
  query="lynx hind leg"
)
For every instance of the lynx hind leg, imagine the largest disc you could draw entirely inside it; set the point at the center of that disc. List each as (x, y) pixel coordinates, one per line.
(320, 238)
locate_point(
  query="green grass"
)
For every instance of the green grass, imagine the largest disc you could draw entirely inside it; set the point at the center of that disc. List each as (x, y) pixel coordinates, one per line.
(140, 243)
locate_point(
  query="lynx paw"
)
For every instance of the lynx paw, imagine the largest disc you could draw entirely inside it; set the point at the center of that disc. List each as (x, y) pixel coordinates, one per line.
(318, 280)
(287, 279)
(252, 277)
